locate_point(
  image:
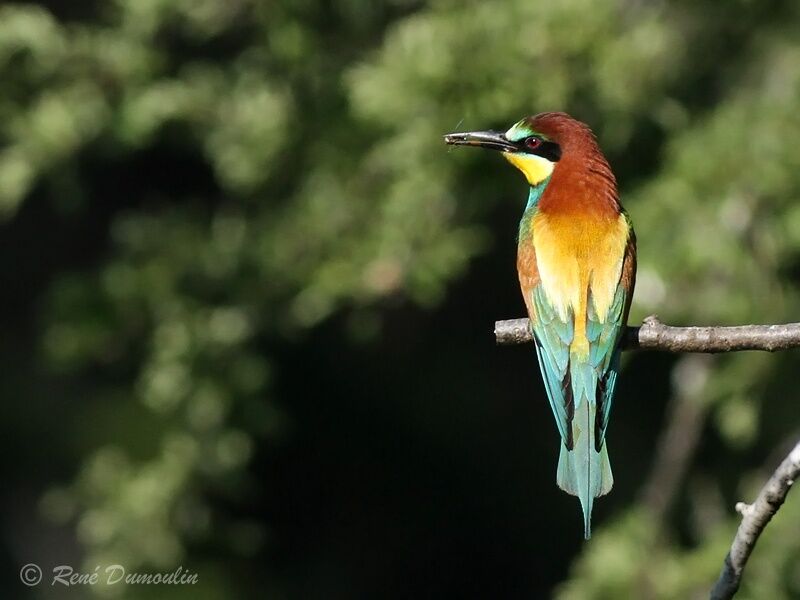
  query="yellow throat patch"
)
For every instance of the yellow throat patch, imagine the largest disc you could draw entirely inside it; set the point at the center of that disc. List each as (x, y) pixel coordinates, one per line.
(535, 168)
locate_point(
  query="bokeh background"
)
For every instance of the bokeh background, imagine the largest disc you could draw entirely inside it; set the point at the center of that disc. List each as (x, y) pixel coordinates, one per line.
(248, 295)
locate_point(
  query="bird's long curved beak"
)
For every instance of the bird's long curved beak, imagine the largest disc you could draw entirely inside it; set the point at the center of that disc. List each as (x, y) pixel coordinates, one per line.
(495, 140)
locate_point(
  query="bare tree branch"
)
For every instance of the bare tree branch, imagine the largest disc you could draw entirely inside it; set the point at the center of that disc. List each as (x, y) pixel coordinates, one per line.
(654, 335)
(754, 519)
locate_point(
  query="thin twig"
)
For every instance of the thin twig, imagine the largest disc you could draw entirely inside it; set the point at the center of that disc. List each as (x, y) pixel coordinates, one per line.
(654, 335)
(754, 519)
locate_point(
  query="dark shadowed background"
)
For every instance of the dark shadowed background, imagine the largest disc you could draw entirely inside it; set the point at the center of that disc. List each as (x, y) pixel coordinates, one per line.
(248, 295)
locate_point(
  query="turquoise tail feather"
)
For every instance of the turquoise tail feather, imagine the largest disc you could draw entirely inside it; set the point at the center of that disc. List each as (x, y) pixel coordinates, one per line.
(580, 384)
(583, 471)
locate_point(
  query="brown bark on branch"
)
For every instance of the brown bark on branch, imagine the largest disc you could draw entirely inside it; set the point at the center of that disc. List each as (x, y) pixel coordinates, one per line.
(654, 335)
(754, 519)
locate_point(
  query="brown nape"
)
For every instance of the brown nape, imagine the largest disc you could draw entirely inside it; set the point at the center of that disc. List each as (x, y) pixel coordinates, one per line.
(574, 137)
(583, 177)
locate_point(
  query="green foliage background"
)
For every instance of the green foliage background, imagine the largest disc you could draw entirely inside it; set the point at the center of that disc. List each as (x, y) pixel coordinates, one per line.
(198, 196)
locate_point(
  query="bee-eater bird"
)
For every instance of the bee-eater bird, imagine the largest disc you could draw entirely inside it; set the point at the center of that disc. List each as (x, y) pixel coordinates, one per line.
(576, 260)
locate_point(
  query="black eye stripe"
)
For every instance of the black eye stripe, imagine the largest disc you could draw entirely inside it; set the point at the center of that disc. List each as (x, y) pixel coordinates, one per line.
(544, 148)
(549, 150)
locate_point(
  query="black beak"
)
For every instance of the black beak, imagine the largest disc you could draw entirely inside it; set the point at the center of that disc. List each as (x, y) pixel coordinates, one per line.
(495, 140)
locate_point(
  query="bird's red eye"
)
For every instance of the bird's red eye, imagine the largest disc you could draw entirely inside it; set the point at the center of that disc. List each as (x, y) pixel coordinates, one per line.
(532, 143)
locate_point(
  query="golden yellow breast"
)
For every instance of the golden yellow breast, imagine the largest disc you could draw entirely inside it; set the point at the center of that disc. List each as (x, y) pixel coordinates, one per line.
(579, 256)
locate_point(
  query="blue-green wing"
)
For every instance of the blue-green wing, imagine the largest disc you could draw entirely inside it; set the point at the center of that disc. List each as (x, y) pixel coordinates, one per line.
(604, 355)
(553, 337)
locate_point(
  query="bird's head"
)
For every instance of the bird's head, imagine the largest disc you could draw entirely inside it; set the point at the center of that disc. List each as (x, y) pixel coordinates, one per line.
(534, 145)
